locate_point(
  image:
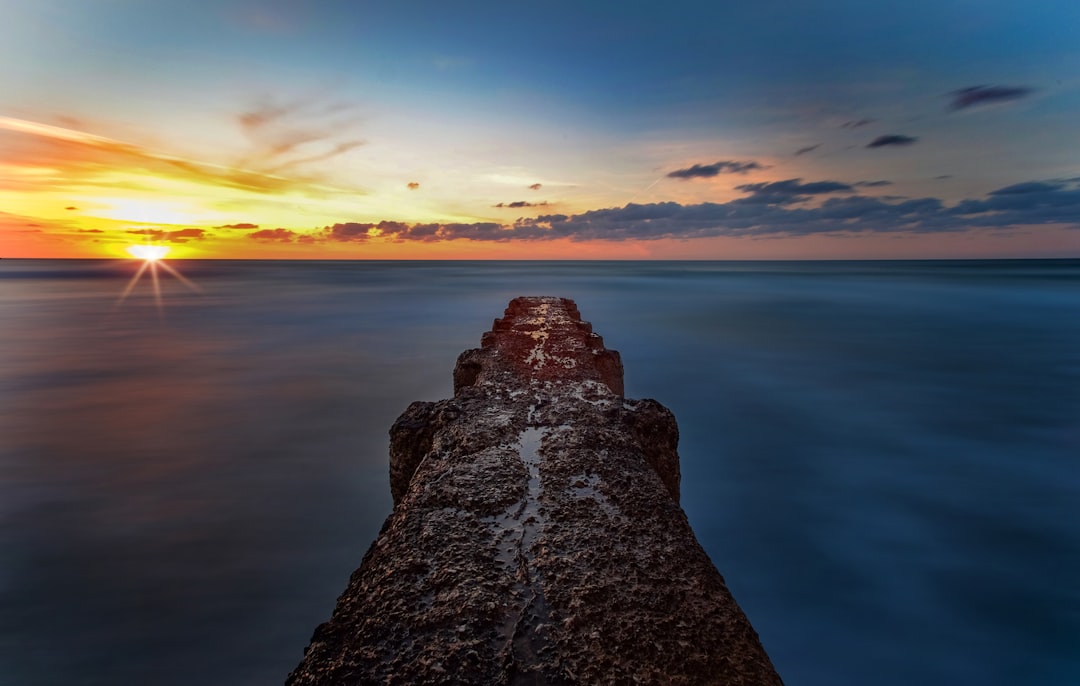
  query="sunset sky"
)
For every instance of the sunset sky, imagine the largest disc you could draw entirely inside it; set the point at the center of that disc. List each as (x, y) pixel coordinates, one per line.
(704, 130)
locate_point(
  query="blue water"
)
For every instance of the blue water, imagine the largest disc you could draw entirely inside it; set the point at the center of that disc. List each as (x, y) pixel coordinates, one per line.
(881, 458)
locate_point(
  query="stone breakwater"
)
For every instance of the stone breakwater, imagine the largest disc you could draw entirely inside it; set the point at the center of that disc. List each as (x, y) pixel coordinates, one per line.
(536, 536)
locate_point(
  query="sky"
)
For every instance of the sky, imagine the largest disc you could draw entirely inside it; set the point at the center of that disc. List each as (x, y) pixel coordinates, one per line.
(334, 129)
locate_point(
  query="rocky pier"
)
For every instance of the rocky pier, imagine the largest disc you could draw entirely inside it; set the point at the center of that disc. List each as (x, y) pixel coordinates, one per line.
(536, 536)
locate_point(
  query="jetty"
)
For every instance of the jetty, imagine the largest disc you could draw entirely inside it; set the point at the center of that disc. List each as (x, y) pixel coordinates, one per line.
(536, 535)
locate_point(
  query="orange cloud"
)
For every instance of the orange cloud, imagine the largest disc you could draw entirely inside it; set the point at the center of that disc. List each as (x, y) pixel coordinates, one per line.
(68, 156)
(177, 236)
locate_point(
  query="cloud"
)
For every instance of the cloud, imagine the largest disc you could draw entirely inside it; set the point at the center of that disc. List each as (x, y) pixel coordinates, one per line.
(348, 232)
(242, 225)
(521, 203)
(871, 184)
(983, 95)
(789, 191)
(71, 207)
(412, 185)
(274, 235)
(809, 148)
(891, 139)
(767, 211)
(285, 135)
(177, 236)
(940, 177)
(857, 123)
(91, 231)
(703, 171)
(82, 158)
(1030, 187)
(1033, 202)
(536, 186)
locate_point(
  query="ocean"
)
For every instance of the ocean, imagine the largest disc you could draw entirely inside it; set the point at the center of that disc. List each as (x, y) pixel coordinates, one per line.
(882, 458)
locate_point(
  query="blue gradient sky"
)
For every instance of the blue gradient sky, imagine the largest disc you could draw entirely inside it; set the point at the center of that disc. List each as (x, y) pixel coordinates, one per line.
(306, 123)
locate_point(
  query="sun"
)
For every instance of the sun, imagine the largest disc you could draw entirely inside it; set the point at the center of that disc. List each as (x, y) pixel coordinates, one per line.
(150, 253)
(152, 257)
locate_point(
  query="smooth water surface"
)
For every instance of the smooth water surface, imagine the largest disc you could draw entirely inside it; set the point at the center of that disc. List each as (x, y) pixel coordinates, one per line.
(880, 457)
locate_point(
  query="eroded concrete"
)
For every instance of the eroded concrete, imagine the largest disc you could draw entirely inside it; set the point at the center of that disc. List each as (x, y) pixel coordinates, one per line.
(536, 536)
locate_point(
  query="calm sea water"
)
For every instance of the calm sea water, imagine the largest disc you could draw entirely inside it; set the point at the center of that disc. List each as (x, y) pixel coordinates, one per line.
(881, 458)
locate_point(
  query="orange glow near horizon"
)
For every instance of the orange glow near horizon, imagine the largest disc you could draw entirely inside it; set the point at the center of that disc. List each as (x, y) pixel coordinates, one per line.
(67, 193)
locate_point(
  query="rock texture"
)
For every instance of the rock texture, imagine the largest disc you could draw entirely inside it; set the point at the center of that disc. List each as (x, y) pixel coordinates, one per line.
(536, 536)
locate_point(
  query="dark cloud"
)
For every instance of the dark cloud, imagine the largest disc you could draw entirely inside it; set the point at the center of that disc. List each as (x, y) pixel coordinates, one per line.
(177, 236)
(1035, 202)
(91, 231)
(521, 203)
(768, 210)
(871, 184)
(857, 123)
(348, 232)
(242, 225)
(536, 186)
(412, 185)
(274, 235)
(789, 191)
(809, 148)
(942, 176)
(982, 95)
(891, 139)
(431, 233)
(71, 207)
(702, 171)
(1030, 187)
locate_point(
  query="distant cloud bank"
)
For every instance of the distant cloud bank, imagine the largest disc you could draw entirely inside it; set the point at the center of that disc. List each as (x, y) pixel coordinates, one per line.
(774, 209)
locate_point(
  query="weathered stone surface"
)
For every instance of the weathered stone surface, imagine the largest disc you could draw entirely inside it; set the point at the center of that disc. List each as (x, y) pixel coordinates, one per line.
(536, 536)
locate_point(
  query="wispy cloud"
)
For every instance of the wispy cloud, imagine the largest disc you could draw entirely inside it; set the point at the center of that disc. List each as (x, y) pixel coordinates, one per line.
(872, 184)
(86, 158)
(857, 123)
(984, 95)
(891, 139)
(290, 134)
(809, 148)
(242, 225)
(412, 185)
(704, 171)
(177, 236)
(536, 186)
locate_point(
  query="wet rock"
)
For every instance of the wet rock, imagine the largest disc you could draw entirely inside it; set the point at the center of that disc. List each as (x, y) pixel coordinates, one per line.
(536, 536)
